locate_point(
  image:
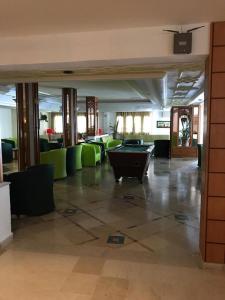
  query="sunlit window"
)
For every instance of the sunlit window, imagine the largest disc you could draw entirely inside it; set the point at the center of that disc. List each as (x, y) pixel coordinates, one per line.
(137, 124)
(119, 119)
(58, 126)
(129, 124)
(81, 124)
(146, 124)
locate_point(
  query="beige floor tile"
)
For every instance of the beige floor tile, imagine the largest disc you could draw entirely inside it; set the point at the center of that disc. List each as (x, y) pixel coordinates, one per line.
(109, 288)
(89, 265)
(79, 283)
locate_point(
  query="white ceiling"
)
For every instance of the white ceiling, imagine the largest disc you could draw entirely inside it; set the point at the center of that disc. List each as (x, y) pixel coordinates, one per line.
(176, 87)
(55, 16)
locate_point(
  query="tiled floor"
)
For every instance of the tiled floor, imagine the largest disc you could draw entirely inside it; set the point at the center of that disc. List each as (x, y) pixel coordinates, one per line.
(65, 255)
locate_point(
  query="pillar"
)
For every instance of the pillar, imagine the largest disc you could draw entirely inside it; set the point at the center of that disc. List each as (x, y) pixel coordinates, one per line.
(28, 124)
(212, 229)
(69, 108)
(92, 115)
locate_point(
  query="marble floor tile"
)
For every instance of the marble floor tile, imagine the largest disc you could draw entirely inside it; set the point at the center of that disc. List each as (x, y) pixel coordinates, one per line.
(111, 288)
(80, 283)
(65, 255)
(89, 265)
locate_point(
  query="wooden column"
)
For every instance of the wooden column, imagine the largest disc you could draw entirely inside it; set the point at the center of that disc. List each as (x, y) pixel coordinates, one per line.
(69, 108)
(28, 124)
(212, 233)
(92, 115)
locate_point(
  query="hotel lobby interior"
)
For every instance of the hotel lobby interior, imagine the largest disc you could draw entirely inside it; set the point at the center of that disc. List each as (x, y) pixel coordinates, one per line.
(111, 159)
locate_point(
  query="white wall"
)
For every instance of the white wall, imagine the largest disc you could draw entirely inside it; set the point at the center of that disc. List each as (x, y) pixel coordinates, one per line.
(159, 116)
(7, 125)
(5, 214)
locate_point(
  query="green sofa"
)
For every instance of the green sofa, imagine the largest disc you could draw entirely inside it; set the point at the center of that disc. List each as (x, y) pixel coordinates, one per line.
(147, 138)
(57, 158)
(91, 154)
(109, 142)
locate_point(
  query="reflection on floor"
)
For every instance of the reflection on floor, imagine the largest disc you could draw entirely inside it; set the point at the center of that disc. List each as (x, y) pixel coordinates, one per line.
(10, 167)
(125, 241)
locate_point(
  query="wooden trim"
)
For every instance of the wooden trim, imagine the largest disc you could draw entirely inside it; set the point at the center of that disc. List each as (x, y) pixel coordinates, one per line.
(69, 113)
(92, 115)
(28, 124)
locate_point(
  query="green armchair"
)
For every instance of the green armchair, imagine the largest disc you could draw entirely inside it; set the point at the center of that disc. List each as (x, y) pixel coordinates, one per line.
(78, 160)
(57, 158)
(109, 142)
(91, 154)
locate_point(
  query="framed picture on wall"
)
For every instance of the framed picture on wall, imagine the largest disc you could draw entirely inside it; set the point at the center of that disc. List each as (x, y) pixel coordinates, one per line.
(163, 124)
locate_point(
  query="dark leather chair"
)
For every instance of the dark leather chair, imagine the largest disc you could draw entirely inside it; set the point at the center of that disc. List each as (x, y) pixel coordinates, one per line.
(162, 148)
(44, 145)
(7, 153)
(9, 142)
(200, 148)
(31, 191)
(133, 142)
(70, 161)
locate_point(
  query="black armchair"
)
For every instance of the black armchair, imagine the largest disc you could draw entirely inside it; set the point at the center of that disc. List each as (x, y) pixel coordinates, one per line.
(44, 145)
(9, 142)
(7, 153)
(162, 148)
(70, 161)
(31, 191)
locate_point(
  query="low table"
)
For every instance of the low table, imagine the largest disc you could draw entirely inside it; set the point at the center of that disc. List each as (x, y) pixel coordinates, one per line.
(130, 161)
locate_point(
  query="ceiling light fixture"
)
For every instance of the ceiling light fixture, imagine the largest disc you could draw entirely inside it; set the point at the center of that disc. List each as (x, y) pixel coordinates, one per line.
(68, 72)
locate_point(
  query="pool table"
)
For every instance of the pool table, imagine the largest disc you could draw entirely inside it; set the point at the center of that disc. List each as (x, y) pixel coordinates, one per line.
(130, 161)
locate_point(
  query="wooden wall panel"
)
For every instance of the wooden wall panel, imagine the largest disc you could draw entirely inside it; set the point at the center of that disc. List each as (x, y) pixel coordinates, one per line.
(218, 110)
(216, 208)
(216, 231)
(216, 184)
(212, 238)
(219, 34)
(218, 63)
(215, 253)
(218, 86)
(217, 133)
(217, 160)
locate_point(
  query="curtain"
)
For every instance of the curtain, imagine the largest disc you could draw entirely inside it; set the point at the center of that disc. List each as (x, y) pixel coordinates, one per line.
(133, 122)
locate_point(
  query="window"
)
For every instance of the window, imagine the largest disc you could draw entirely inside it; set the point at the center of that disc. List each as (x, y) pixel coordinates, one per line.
(146, 124)
(137, 124)
(129, 124)
(133, 122)
(119, 119)
(58, 125)
(81, 124)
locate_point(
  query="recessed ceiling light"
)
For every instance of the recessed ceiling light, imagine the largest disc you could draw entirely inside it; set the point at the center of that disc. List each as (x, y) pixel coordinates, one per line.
(68, 72)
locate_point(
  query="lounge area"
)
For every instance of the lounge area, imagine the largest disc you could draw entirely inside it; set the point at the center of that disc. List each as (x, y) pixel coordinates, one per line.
(112, 169)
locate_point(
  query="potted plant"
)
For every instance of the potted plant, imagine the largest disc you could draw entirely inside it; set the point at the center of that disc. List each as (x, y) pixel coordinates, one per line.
(114, 129)
(185, 132)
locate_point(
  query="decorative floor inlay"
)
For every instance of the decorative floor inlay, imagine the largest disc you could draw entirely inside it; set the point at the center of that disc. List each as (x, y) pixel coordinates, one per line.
(69, 211)
(116, 239)
(181, 217)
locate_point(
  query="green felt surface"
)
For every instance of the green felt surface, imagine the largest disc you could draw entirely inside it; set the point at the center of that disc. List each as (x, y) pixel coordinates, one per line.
(135, 148)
